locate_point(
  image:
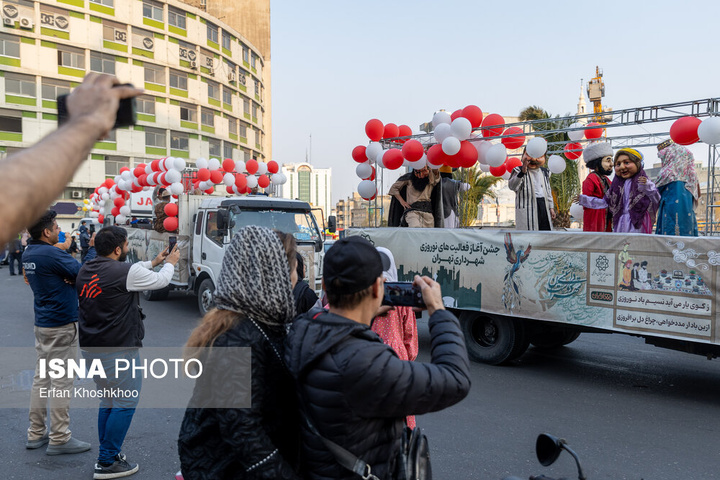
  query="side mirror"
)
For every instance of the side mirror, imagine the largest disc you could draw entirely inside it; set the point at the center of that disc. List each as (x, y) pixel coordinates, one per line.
(548, 449)
(332, 224)
(318, 245)
(223, 220)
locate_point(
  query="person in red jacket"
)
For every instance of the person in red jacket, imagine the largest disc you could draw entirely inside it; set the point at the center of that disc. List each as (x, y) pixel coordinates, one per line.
(599, 159)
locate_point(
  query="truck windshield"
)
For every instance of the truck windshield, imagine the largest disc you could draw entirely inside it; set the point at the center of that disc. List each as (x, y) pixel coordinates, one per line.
(300, 224)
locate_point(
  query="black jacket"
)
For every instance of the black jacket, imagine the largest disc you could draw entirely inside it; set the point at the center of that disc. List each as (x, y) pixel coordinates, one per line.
(217, 444)
(396, 210)
(357, 391)
(305, 297)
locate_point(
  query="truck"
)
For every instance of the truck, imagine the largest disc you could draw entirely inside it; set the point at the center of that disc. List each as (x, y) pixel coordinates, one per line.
(512, 289)
(206, 225)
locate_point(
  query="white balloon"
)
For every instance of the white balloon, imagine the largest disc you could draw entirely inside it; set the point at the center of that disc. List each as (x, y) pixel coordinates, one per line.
(419, 164)
(536, 147)
(201, 163)
(709, 130)
(284, 178)
(482, 147)
(441, 117)
(105, 196)
(102, 190)
(262, 168)
(461, 128)
(148, 168)
(94, 214)
(239, 166)
(372, 150)
(366, 188)
(556, 163)
(576, 211)
(102, 211)
(101, 203)
(252, 181)
(484, 167)
(126, 175)
(213, 164)
(451, 146)
(442, 131)
(505, 176)
(276, 179)
(125, 210)
(176, 188)
(496, 155)
(229, 179)
(363, 170)
(120, 219)
(576, 135)
(379, 158)
(179, 164)
(173, 176)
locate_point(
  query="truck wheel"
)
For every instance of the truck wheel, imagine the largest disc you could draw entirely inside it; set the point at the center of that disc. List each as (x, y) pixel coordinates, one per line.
(493, 339)
(155, 295)
(553, 339)
(206, 302)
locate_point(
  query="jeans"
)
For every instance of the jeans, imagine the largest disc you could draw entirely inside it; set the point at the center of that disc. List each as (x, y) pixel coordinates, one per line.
(115, 414)
(12, 259)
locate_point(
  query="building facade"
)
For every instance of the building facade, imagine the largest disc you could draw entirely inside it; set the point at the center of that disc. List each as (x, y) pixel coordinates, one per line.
(309, 184)
(203, 80)
(355, 211)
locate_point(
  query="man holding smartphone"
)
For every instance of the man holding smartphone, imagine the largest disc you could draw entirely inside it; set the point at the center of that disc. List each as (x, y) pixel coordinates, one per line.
(352, 387)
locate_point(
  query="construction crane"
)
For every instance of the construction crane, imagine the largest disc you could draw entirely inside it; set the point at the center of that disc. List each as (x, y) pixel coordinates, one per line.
(595, 91)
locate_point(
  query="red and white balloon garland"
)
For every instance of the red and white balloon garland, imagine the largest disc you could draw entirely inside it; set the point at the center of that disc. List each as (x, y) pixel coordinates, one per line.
(240, 177)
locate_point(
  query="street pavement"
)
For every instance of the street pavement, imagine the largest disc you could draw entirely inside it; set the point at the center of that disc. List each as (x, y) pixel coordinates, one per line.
(630, 411)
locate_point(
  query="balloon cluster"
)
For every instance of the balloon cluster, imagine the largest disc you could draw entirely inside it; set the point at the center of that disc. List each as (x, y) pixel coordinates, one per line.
(689, 130)
(238, 177)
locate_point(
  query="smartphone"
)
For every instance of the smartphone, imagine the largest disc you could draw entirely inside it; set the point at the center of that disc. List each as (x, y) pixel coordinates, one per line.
(402, 294)
(126, 114)
(173, 242)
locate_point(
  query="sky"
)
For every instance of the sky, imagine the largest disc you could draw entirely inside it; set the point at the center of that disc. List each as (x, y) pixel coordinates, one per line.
(336, 65)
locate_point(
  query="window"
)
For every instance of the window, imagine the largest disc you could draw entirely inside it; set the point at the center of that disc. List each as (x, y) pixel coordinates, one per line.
(9, 46)
(146, 105)
(227, 40)
(153, 10)
(246, 54)
(207, 117)
(107, 3)
(71, 58)
(99, 62)
(155, 137)
(303, 174)
(257, 88)
(227, 96)
(111, 136)
(187, 51)
(10, 121)
(211, 228)
(188, 113)
(114, 164)
(155, 74)
(51, 89)
(243, 130)
(24, 85)
(179, 141)
(215, 147)
(177, 18)
(254, 110)
(232, 125)
(253, 59)
(228, 150)
(213, 90)
(178, 80)
(114, 32)
(212, 32)
(143, 39)
(246, 106)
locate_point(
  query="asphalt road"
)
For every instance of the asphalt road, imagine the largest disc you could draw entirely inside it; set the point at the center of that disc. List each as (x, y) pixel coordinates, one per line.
(630, 411)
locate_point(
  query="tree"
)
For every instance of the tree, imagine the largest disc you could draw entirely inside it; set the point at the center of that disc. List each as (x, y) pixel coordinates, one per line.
(480, 187)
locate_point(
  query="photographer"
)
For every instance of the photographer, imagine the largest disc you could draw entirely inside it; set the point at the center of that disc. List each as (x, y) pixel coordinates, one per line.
(352, 387)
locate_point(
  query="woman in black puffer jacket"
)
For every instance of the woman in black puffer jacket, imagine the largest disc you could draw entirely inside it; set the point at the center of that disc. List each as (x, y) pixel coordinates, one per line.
(254, 307)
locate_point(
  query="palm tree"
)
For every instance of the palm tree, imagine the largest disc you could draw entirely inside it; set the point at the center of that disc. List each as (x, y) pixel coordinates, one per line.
(480, 187)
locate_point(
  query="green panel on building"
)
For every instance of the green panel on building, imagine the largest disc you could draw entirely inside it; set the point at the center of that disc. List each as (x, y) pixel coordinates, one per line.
(254, 119)
(155, 151)
(243, 139)
(49, 116)
(154, 87)
(227, 52)
(212, 101)
(74, 3)
(29, 41)
(142, 53)
(186, 124)
(139, 63)
(192, 76)
(254, 70)
(105, 146)
(174, 102)
(97, 156)
(177, 31)
(194, 136)
(138, 128)
(75, 72)
(144, 117)
(29, 114)
(76, 14)
(246, 115)
(121, 59)
(153, 23)
(184, 64)
(203, 79)
(49, 104)
(96, 7)
(207, 129)
(233, 136)
(202, 20)
(159, 35)
(227, 106)
(172, 39)
(13, 62)
(160, 100)
(179, 153)
(190, 15)
(115, 46)
(20, 100)
(45, 43)
(178, 92)
(95, 19)
(214, 45)
(11, 137)
(243, 88)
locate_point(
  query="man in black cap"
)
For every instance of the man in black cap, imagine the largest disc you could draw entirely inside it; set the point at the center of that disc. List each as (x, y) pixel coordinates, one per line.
(352, 387)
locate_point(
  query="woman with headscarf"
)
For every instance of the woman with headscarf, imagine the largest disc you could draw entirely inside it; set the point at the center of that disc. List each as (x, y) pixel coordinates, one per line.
(397, 326)
(679, 191)
(254, 308)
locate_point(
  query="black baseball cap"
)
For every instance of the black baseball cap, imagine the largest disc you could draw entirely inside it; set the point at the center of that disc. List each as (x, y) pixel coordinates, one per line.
(352, 264)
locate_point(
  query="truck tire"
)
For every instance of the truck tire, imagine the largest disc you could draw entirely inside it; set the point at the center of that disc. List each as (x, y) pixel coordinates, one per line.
(556, 338)
(493, 339)
(156, 295)
(206, 302)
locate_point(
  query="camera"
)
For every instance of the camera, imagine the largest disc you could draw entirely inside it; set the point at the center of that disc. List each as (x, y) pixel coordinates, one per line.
(402, 294)
(126, 114)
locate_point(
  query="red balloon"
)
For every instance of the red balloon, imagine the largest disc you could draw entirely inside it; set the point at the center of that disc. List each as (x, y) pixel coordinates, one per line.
(139, 170)
(512, 162)
(412, 150)
(593, 131)
(390, 130)
(210, 191)
(435, 155)
(263, 181)
(228, 165)
(474, 114)
(109, 183)
(374, 129)
(358, 155)
(468, 155)
(240, 181)
(216, 176)
(372, 175)
(393, 159)
(155, 165)
(452, 161)
(171, 209)
(115, 211)
(136, 188)
(142, 180)
(230, 190)
(404, 131)
(119, 202)
(273, 166)
(684, 130)
(170, 224)
(493, 125)
(511, 143)
(456, 114)
(569, 154)
(124, 169)
(251, 166)
(498, 171)
(101, 219)
(203, 174)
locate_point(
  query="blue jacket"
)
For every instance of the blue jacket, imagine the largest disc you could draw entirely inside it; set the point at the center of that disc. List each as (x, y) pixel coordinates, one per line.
(46, 269)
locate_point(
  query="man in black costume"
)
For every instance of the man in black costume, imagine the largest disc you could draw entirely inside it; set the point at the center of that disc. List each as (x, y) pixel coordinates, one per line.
(416, 200)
